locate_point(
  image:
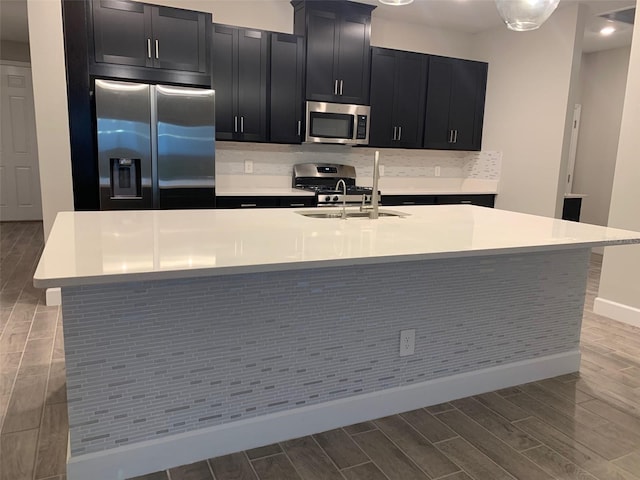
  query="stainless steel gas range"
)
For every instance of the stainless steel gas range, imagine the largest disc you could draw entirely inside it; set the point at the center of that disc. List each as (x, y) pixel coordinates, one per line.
(326, 179)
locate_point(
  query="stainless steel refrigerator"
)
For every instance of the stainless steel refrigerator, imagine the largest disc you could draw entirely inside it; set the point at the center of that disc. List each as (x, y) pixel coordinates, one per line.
(156, 146)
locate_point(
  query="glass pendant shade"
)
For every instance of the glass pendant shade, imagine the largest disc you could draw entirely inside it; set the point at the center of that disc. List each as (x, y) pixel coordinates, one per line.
(523, 15)
(396, 2)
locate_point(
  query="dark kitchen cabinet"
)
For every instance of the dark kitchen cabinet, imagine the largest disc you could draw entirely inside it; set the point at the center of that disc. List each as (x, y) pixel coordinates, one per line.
(265, 202)
(481, 200)
(389, 200)
(398, 89)
(571, 209)
(455, 104)
(137, 34)
(287, 67)
(246, 202)
(337, 51)
(240, 66)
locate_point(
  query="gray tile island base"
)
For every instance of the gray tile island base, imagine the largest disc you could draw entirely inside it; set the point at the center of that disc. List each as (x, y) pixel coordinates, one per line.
(192, 334)
(167, 372)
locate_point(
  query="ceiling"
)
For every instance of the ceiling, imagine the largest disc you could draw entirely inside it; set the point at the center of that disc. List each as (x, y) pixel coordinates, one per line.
(471, 16)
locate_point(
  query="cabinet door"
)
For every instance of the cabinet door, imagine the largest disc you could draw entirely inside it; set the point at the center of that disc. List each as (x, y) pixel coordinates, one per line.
(437, 133)
(482, 200)
(382, 129)
(409, 98)
(322, 83)
(122, 33)
(467, 103)
(287, 58)
(253, 50)
(353, 59)
(223, 81)
(179, 40)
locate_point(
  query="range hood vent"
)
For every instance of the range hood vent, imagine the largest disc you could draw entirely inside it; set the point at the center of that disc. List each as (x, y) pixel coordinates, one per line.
(624, 16)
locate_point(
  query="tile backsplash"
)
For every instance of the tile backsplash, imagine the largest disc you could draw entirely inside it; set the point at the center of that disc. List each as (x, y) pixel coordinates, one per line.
(278, 160)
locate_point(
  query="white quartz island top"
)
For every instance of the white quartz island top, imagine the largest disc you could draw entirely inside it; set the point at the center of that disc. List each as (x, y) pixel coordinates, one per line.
(108, 247)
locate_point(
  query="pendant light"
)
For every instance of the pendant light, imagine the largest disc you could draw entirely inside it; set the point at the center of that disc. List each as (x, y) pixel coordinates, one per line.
(396, 2)
(524, 15)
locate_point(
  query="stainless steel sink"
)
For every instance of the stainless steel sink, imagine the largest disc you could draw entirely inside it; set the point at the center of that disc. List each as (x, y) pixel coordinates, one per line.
(350, 214)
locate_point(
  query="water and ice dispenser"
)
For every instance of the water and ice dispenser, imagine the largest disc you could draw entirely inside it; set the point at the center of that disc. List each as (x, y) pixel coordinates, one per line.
(125, 178)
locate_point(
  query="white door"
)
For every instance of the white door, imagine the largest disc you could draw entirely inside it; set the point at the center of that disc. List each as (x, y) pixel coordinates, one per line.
(19, 175)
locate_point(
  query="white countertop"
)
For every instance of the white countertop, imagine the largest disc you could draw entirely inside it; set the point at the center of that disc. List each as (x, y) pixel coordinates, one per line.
(107, 247)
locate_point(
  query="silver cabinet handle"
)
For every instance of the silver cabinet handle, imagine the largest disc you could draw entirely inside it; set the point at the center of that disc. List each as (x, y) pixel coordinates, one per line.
(399, 133)
(241, 124)
(465, 201)
(455, 138)
(247, 205)
(296, 205)
(335, 88)
(157, 48)
(149, 47)
(450, 136)
(235, 124)
(395, 132)
(299, 127)
(408, 203)
(341, 83)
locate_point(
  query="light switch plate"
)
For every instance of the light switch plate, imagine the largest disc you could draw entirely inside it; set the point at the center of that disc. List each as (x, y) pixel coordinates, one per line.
(248, 166)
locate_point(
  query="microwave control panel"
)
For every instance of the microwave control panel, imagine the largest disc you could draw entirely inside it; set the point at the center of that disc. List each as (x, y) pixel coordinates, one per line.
(361, 132)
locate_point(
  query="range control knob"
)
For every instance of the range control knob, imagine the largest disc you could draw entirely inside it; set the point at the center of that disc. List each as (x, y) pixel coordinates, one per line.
(327, 199)
(335, 199)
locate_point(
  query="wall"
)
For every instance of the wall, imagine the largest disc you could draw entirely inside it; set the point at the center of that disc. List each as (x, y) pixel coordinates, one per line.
(50, 100)
(604, 78)
(528, 100)
(14, 51)
(619, 294)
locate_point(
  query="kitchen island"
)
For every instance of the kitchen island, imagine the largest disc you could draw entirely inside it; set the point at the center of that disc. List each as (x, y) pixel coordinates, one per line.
(192, 334)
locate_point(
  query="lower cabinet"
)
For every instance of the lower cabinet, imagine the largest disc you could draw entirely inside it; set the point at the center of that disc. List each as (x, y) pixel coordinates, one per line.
(389, 200)
(265, 202)
(481, 200)
(571, 209)
(487, 200)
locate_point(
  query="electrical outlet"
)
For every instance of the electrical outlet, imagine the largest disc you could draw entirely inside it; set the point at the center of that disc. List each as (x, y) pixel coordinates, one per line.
(381, 168)
(437, 173)
(407, 342)
(248, 166)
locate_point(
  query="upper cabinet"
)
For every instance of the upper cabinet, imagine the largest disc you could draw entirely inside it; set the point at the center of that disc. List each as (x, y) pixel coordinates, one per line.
(287, 67)
(398, 88)
(337, 57)
(240, 67)
(137, 34)
(455, 104)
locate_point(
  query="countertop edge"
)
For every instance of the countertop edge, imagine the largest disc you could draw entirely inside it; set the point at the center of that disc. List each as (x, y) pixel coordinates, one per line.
(77, 281)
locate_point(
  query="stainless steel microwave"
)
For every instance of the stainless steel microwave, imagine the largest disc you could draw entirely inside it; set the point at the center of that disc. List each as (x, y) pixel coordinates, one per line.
(337, 123)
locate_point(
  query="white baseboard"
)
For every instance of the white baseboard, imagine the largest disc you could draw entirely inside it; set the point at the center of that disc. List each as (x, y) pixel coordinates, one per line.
(617, 311)
(155, 455)
(54, 297)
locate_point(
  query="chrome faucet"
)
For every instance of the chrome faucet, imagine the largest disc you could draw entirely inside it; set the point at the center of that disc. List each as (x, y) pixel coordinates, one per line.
(375, 198)
(344, 198)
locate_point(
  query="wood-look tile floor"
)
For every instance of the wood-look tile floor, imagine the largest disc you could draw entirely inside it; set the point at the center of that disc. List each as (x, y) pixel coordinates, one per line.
(581, 426)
